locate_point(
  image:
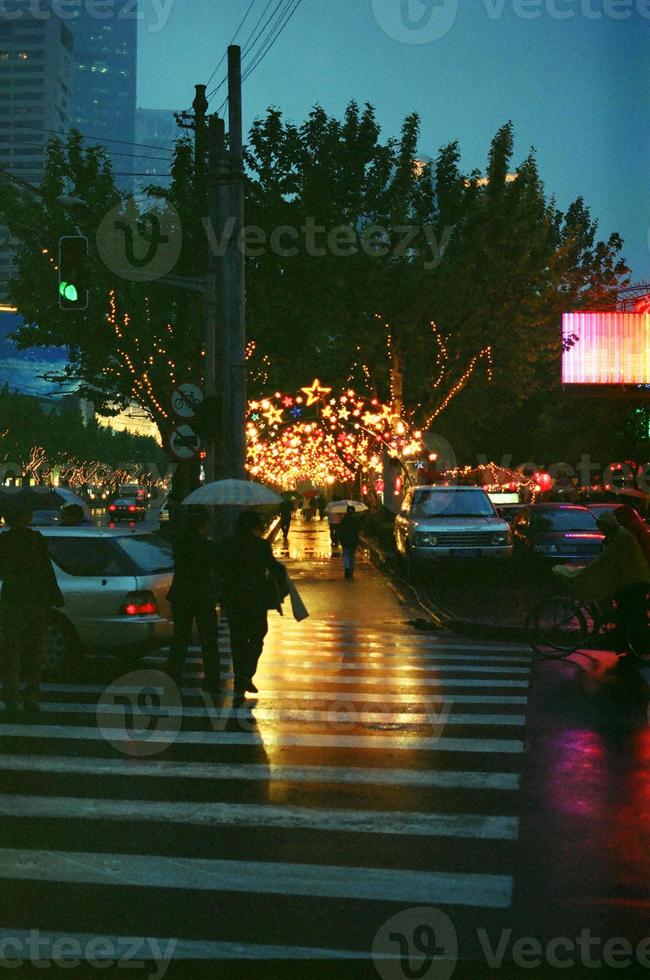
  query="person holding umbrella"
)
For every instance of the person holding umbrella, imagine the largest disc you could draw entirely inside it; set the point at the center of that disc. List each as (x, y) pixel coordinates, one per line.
(247, 567)
(348, 533)
(193, 597)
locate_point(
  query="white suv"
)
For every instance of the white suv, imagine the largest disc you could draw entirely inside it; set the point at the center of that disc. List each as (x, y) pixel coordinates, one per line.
(450, 522)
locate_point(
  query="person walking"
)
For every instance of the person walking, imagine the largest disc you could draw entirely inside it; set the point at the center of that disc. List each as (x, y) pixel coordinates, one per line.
(193, 597)
(285, 513)
(72, 515)
(29, 591)
(348, 533)
(247, 569)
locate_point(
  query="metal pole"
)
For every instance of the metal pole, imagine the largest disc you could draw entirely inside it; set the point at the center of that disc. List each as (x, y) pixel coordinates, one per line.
(238, 400)
(215, 141)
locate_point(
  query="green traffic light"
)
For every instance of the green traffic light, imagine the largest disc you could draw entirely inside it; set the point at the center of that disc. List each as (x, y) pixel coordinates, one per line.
(69, 291)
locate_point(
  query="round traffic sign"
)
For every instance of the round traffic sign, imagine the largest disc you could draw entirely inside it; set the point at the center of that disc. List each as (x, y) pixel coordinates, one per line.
(186, 399)
(184, 442)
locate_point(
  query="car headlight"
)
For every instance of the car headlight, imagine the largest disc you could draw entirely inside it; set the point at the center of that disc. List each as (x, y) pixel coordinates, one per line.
(546, 549)
(502, 538)
(421, 539)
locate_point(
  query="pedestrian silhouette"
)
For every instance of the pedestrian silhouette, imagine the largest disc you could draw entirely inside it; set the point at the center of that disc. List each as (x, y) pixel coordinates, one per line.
(348, 533)
(248, 574)
(29, 592)
(193, 597)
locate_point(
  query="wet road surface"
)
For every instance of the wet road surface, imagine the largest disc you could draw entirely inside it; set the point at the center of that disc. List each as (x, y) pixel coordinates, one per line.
(380, 770)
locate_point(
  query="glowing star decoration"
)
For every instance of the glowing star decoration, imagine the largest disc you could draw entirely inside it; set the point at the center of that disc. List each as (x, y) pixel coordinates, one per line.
(315, 393)
(325, 447)
(273, 415)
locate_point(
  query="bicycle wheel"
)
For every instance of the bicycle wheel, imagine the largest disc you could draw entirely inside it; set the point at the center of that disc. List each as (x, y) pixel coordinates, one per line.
(557, 627)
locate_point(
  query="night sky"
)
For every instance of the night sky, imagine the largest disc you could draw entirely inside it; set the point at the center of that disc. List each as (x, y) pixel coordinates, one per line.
(577, 89)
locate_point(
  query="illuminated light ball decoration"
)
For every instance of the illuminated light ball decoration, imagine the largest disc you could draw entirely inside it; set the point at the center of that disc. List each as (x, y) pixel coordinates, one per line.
(315, 435)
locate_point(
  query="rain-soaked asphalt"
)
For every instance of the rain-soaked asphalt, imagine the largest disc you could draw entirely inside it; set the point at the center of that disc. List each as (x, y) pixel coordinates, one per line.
(479, 796)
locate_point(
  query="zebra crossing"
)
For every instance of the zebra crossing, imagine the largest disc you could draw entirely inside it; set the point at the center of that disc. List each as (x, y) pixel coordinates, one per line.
(377, 770)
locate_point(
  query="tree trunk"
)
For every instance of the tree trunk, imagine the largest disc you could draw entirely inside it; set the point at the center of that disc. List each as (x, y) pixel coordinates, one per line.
(397, 379)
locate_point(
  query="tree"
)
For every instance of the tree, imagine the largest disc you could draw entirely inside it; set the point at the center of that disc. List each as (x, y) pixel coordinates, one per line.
(452, 277)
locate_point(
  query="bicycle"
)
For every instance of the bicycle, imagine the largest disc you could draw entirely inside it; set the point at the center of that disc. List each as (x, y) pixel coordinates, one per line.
(561, 624)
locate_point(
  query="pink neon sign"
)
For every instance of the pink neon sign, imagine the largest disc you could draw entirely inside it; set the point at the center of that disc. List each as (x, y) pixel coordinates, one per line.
(611, 349)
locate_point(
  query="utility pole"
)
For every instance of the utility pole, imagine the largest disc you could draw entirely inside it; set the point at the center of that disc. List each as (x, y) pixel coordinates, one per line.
(231, 463)
(225, 289)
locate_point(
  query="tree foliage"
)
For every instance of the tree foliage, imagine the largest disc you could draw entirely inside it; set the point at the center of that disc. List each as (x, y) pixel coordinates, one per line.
(414, 280)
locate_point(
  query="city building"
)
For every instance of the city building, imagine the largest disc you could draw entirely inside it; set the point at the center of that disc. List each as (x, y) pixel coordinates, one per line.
(156, 131)
(36, 79)
(105, 82)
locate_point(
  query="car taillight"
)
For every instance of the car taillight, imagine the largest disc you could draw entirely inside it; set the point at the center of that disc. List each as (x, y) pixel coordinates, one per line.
(132, 508)
(112, 507)
(140, 604)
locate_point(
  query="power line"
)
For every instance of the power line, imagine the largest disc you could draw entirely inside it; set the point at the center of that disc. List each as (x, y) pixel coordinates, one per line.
(234, 38)
(247, 44)
(115, 153)
(56, 132)
(279, 27)
(278, 33)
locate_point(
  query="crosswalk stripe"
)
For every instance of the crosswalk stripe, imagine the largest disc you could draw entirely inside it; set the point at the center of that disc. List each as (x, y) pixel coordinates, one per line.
(460, 665)
(369, 698)
(197, 874)
(124, 950)
(422, 778)
(387, 674)
(407, 742)
(457, 825)
(330, 715)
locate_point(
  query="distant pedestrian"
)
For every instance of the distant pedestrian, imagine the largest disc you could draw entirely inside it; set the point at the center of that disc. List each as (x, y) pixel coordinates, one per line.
(321, 503)
(285, 512)
(29, 591)
(348, 533)
(193, 597)
(248, 571)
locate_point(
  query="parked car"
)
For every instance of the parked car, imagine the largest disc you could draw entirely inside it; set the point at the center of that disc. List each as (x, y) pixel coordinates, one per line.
(559, 532)
(598, 509)
(115, 586)
(438, 522)
(127, 509)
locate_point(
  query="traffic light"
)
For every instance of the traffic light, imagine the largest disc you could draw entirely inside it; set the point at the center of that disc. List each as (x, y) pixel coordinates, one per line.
(73, 288)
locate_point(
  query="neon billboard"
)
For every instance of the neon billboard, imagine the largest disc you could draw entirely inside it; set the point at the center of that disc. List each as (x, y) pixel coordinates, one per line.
(606, 348)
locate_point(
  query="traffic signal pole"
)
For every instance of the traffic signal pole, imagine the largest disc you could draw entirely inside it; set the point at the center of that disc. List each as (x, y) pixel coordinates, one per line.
(231, 336)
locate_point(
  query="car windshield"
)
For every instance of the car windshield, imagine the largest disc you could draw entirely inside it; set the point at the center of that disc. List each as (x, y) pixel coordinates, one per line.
(452, 503)
(147, 554)
(569, 519)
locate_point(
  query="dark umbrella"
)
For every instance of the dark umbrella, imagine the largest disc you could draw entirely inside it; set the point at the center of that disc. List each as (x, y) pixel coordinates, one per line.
(30, 498)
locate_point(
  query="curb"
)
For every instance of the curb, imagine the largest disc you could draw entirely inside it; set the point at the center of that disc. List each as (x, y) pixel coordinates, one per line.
(440, 618)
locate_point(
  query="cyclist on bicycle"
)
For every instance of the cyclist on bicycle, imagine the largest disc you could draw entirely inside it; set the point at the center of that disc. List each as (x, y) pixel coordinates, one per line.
(620, 572)
(632, 521)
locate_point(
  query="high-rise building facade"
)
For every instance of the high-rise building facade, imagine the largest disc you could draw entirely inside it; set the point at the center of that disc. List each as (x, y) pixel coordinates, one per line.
(155, 133)
(36, 79)
(105, 83)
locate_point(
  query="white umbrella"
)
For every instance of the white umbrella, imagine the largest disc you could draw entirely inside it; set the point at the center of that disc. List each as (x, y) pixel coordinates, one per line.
(232, 493)
(341, 506)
